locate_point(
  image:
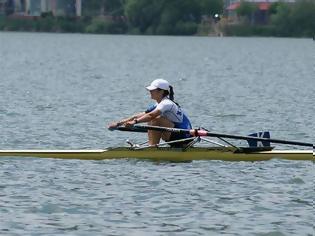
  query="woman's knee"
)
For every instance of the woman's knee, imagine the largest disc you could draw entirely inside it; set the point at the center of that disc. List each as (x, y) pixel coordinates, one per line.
(158, 121)
(154, 122)
(161, 121)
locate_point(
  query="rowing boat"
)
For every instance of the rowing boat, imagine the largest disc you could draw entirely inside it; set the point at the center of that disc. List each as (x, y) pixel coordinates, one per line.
(190, 152)
(168, 154)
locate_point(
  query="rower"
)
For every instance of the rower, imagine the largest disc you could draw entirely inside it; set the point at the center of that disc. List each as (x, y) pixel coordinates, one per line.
(165, 113)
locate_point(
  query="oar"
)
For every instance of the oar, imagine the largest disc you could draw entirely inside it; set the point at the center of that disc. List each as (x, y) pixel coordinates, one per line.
(196, 132)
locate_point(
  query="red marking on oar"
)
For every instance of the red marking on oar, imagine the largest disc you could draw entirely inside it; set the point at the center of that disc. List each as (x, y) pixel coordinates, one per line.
(195, 132)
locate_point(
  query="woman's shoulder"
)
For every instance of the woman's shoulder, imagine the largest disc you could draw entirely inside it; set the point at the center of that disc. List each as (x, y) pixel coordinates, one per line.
(166, 102)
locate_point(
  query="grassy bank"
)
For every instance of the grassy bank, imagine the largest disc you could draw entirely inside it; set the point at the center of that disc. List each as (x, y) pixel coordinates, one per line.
(102, 25)
(63, 24)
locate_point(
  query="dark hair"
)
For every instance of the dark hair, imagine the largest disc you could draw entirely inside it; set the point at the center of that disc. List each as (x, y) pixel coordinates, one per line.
(170, 94)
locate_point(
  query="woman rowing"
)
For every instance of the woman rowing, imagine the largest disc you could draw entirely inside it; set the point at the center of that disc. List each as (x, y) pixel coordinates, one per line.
(165, 113)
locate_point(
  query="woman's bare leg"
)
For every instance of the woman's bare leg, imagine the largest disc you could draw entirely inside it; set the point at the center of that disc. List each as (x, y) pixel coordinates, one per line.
(155, 136)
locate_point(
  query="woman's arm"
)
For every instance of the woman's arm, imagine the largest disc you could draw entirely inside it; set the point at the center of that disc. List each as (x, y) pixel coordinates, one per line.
(145, 117)
(124, 121)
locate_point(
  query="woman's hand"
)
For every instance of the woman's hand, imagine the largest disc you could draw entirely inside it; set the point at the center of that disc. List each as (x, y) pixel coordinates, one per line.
(130, 123)
(114, 125)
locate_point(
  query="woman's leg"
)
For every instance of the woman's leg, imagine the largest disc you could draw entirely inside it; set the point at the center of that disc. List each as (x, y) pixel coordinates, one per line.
(155, 136)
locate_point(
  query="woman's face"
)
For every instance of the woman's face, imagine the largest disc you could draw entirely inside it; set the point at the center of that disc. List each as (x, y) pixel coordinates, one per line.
(156, 94)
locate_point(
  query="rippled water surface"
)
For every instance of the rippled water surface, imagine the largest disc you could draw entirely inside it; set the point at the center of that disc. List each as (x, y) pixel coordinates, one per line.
(58, 91)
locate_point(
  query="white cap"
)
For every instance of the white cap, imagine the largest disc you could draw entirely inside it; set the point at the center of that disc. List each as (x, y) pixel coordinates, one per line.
(159, 83)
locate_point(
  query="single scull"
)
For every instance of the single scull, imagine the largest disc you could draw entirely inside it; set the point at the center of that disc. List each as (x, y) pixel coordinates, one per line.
(225, 152)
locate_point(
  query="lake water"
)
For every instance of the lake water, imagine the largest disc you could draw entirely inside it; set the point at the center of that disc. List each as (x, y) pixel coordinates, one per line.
(59, 91)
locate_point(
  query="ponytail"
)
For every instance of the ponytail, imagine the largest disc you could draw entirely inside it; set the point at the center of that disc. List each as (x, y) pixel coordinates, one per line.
(171, 95)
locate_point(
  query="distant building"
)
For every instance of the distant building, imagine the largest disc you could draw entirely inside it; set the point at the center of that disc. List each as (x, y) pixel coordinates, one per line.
(261, 15)
(38, 7)
(6, 7)
(2, 7)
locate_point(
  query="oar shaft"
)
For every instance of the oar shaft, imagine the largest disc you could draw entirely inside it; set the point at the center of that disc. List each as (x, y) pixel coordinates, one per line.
(195, 132)
(210, 134)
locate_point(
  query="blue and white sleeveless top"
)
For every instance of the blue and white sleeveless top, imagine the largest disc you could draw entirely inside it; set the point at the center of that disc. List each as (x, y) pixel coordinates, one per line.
(171, 111)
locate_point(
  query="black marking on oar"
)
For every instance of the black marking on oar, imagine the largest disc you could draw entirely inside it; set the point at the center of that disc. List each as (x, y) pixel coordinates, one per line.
(130, 129)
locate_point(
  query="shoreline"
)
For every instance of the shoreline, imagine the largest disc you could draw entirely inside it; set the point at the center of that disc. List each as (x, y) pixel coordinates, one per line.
(158, 35)
(110, 27)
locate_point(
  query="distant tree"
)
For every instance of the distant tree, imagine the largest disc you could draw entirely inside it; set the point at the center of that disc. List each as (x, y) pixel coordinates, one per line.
(179, 17)
(211, 7)
(169, 16)
(143, 14)
(92, 7)
(282, 20)
(156, 16)
(247, 10)
(296, 19)
(303, 17)
(114, 7)
(273, 9)
(103, 7)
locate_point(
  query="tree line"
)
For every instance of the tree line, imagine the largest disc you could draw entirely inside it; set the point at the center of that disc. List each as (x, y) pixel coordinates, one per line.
(284, 19)
(169, 17)
(173, 17)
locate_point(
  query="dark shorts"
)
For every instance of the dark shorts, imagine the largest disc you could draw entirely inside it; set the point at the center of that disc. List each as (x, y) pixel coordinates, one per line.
(178, 136)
